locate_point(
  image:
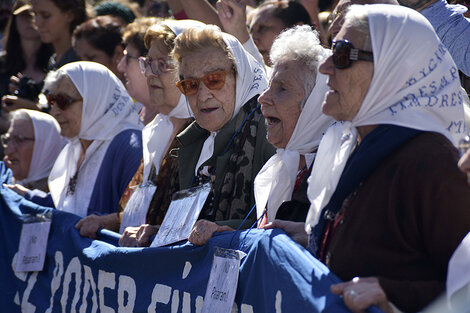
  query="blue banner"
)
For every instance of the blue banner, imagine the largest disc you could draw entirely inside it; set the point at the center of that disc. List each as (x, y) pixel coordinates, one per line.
(84, 275)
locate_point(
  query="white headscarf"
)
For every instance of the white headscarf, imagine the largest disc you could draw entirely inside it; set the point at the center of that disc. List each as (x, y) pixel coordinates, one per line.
(107, 110)
(47, 145)
(251, 81)
(275, 182)
(156, 134)
(405, 46)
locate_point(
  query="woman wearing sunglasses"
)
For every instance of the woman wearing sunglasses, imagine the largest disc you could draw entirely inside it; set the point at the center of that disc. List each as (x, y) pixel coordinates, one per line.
(31, 147)
(99, 118)
(389, 204)
(226, 145)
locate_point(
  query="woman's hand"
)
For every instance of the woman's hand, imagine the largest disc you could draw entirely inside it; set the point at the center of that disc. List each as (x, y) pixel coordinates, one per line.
(296, 230)
(360, 293)
(88, 226)
(138, 236)
(19, 189)
(12, 103)
(232, 15)
(203, 231)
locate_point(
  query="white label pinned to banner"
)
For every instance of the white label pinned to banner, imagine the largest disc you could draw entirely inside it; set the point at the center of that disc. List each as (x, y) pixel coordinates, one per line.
(33, 243)
(223, 281)
(181, 216)
(136, 208)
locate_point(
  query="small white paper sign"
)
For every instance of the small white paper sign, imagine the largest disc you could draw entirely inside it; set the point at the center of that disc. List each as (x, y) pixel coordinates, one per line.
(223, 281)
(181, 216)
(136, 208)
(33, 245)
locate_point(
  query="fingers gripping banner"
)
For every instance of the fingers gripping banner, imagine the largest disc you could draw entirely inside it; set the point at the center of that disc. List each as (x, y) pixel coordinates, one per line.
(84, 275)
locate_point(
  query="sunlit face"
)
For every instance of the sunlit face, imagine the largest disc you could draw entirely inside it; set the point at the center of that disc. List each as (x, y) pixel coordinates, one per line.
(212, 108)
(86, 52)
(264, 29)
(135, 80)
(25, 25)
(348, 86)
(162, 87)
(53, 24)
(19, 150)
(280, 103)
(69, 119)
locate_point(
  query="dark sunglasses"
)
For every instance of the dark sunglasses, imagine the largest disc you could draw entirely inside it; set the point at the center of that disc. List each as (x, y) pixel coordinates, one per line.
(214, 81)
(158, 66)
(344, 54)
(63, 102)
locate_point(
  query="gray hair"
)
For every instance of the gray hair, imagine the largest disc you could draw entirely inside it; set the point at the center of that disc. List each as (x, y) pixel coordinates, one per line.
(19, 115)
(53, 79)
(300, 44)
(358, 18)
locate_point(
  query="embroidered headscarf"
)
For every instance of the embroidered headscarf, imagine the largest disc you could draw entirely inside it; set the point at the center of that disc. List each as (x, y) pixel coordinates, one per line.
(275, 182)
(415, 84)
(107, 110)
(251, 81)
(157, 133)
(47, 145)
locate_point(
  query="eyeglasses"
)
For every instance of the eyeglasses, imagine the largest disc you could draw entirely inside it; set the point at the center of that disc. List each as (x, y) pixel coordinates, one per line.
(158, 66)
(126, 57)
(6, 140)
(214, 81)
(344, 54)
(63, 102)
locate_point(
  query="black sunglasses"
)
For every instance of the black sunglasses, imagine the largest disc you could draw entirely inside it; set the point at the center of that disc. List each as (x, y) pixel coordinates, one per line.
(63, 102)
(344, 54)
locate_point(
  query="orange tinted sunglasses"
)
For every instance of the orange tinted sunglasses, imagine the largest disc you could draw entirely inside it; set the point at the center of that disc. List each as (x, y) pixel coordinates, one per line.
(214, 81)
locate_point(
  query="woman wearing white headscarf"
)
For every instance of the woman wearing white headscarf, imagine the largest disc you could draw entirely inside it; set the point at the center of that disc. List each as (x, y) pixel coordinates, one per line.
(292, 108)
(99, 118)
(227, 143)
(31, 147)
(389, 205)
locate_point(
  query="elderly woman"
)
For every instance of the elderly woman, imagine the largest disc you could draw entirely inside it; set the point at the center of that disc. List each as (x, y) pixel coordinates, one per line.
(292, 109)
(31, 147)
(134, 79)
(389, 205)
(96, 113)
(228, 139)
(221, 82)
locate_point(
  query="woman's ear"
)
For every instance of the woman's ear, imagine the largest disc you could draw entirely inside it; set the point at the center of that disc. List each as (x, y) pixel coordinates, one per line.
(117, 55)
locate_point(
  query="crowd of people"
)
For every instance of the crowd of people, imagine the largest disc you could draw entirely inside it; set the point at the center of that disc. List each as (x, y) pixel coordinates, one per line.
(339, 122)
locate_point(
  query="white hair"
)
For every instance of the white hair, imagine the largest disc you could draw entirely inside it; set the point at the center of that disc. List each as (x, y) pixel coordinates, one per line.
(300, 44)
(52, 80)
(358, 18)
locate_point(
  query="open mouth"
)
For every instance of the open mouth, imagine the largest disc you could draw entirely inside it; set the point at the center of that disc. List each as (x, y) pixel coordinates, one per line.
(272, 121)
(208, 110)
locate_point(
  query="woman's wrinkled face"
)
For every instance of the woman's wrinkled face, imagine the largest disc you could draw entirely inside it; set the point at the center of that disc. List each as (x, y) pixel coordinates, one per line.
(70, 118)
(162, 85)
(213, 109)
(135, 80)
(19, 148)
(349, 86)
(264, 29)
(280, 103)
(51, 22)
